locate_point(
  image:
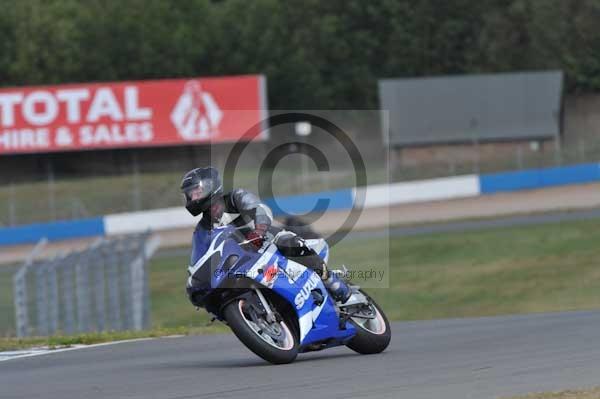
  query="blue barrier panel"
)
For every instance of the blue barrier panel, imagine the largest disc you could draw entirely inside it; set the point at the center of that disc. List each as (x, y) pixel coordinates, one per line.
(53, 231)
(584, 173)
(510, 181)
(539, 178)
(322, 201)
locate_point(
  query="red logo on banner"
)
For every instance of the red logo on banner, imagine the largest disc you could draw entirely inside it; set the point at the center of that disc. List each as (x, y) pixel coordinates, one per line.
(129, 114)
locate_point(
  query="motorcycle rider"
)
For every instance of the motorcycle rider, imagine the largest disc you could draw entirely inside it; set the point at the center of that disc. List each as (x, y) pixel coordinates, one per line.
(203, 193)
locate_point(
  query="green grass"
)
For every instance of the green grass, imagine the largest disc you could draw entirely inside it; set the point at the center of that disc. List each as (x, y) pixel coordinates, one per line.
(170, 306)
(62, 341)
(503, 271)
(593, 393)
(7, 310)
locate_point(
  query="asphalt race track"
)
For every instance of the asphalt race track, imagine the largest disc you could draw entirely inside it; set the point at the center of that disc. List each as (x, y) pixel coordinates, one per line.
(468, 358)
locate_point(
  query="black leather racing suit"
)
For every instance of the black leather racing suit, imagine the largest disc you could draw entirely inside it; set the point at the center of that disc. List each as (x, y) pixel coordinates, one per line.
(244, 209)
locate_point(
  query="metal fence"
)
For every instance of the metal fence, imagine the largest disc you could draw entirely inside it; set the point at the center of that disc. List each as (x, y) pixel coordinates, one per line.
(101, 288)
(479, 158)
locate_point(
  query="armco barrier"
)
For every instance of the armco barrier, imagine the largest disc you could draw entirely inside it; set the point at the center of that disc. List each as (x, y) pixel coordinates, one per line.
(54, 231)
(419, 191)
(539, 178)
(173, 218)
(374, 196)
(158, 219)
(301, 204)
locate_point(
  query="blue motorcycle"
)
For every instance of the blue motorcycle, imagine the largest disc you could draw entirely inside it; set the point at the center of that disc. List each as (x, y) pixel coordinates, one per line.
(277, 307)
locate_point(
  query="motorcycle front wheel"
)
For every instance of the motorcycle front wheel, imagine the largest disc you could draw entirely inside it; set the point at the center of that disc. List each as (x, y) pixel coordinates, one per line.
(273, 341)
(373, 332)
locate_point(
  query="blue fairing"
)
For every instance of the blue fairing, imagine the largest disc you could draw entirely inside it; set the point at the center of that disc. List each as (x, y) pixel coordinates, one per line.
(293, 282)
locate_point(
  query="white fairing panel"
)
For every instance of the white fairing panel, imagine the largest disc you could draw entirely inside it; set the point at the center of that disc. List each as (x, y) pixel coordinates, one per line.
(318, 245)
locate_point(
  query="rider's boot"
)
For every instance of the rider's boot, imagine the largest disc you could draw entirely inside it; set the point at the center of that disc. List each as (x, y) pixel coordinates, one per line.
(339, 289)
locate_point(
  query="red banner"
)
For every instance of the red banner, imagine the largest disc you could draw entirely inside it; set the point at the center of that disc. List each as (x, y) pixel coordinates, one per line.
(130, 114)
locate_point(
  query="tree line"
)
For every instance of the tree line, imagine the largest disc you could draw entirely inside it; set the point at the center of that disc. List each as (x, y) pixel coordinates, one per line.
(316, 54)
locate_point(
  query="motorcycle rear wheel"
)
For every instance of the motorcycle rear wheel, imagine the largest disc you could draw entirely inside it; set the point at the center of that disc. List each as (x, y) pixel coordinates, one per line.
(257, 334)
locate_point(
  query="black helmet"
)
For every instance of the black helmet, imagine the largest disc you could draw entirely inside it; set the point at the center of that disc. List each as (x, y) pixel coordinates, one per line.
(199, 187)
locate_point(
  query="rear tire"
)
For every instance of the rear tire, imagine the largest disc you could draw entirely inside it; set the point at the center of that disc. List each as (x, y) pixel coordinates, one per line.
(371, 336)
(245, 330)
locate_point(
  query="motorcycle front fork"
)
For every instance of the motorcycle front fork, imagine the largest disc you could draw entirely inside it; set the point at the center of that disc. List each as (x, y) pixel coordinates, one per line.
(270, 315)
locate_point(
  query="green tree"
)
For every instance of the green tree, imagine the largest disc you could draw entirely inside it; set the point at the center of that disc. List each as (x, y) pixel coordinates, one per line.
(315, 54)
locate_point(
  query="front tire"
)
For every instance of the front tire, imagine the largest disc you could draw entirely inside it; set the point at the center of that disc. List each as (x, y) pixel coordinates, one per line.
(372, 335)
(245, 325)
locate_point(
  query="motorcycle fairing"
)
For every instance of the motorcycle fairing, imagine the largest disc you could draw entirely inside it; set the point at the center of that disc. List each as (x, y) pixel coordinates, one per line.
(293, 281)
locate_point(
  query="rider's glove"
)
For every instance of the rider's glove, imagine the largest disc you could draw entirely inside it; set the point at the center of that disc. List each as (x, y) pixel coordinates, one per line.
(257, 235)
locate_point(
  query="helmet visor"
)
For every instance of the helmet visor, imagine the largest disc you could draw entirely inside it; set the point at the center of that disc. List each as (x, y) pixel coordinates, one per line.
(199, 191)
